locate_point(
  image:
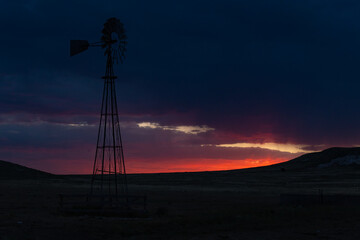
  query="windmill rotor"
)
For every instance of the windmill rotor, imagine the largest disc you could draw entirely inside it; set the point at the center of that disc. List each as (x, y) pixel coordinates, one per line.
(113, 40)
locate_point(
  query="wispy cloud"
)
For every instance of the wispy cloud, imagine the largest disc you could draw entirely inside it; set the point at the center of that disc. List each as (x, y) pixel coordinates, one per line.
(281, 147)
(184, 129)
(81, 124)
(39, 122)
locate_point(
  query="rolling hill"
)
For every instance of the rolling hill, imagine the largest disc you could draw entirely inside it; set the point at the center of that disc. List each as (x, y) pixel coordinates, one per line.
(15, 171)
(330, 158)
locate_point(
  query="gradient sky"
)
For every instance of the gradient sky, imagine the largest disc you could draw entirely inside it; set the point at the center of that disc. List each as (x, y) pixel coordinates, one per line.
(206, 85)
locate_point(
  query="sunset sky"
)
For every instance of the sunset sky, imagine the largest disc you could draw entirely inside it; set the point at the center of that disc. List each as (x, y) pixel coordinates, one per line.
(206, 85)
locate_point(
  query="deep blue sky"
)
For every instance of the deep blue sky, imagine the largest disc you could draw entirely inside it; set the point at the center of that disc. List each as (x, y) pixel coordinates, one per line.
(284, 72)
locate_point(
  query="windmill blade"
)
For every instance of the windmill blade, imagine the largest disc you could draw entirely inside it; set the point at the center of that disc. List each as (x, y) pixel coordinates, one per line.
(78, 46)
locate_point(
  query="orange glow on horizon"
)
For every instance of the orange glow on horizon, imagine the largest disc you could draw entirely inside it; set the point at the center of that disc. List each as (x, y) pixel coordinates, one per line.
(176, 165)
(199, 165)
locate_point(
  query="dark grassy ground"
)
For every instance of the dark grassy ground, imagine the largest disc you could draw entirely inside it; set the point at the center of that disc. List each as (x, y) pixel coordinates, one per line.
(294, 200)
(242, 204)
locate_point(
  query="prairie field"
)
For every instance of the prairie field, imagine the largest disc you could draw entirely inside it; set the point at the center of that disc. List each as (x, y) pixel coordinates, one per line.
(263, 203)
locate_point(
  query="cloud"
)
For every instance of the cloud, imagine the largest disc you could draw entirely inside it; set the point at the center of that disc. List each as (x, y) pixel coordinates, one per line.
(81, 124)
(281, 147)
(184, 129)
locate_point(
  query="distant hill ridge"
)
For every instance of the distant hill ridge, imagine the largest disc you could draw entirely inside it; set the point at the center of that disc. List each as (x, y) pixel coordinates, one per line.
(10, 170)
(331, 157)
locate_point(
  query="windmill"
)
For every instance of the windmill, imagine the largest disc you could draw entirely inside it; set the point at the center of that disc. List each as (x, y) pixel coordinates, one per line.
(109, 174)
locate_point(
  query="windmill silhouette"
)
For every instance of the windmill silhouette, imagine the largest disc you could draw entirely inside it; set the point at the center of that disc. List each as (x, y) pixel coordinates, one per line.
(109, 173)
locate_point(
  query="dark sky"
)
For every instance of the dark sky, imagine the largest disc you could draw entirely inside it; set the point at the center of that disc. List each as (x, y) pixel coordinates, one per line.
(205, 85)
